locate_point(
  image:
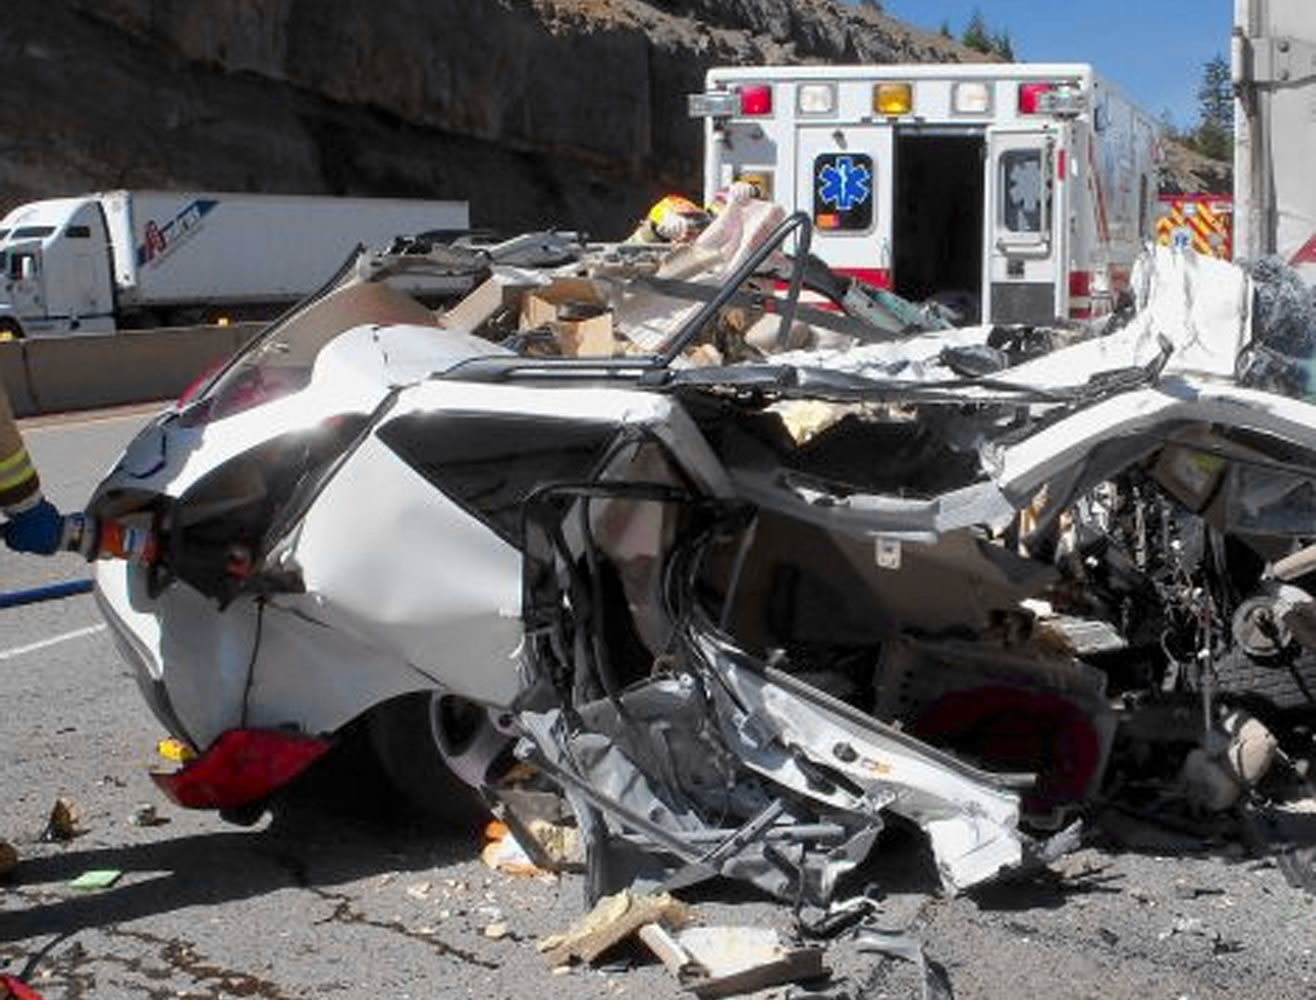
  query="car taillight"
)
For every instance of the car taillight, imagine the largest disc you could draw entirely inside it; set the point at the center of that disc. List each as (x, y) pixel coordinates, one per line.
(1030, 97)
(199, 383)
(241, 767)
(756, 99)
(243, 387)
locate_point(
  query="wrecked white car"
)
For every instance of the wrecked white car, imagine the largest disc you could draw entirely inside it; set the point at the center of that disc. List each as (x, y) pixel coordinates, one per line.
(745, 578)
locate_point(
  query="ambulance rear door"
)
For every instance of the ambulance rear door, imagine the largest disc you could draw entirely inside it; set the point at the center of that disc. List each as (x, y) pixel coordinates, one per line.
(1026, 224)
(843, 181)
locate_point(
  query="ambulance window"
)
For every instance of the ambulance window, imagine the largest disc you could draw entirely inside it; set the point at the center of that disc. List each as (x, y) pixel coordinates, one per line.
(78, 232)
(843, 192)
(32, 232)
(1021, 190)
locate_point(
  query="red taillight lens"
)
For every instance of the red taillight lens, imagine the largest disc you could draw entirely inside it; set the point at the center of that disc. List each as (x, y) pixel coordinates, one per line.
(756, 100)
(241, 767)
(197, 384)
(1030, 97)
(244, 387)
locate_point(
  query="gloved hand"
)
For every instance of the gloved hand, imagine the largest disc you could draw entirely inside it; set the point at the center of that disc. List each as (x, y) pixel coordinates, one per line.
(674, 228)
(740, 192)
(38, 530)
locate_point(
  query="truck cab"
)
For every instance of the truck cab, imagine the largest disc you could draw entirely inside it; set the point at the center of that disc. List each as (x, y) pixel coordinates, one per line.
(55, 275)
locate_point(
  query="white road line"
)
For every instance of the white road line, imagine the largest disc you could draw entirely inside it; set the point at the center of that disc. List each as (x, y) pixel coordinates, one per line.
(54, 640)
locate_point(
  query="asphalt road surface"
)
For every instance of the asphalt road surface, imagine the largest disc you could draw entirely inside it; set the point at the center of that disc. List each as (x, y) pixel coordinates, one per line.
(337, 895)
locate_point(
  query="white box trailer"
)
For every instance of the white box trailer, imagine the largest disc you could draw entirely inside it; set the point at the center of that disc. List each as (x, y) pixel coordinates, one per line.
(99, 262)
(1018, 192)
(1273, 62)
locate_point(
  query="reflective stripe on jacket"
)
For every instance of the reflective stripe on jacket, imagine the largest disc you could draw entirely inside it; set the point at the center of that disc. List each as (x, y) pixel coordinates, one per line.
(19, 485)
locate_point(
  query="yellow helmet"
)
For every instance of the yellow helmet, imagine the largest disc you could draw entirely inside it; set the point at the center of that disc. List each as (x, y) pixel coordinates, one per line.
(675, 204)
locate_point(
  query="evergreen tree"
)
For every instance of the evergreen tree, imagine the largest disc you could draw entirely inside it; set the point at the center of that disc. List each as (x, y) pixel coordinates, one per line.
(944, 31)
(1214, 135)
(1002, 47)
(975, 34)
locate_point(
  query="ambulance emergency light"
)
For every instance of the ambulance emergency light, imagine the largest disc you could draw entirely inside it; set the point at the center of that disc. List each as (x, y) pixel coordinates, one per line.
(756, 99)
(972, 97)
(1050, 98)
(816, 99)
(753, 100)
(893, 98)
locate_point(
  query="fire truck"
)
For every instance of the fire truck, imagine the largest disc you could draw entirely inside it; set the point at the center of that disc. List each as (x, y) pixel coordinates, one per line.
(1017, 193)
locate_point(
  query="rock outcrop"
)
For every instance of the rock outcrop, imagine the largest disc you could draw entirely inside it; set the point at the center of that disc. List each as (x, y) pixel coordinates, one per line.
(540, 112)
(1185, 171)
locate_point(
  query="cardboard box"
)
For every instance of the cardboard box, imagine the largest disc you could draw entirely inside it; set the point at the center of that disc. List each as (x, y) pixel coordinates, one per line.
(480, 305)
(576, 312)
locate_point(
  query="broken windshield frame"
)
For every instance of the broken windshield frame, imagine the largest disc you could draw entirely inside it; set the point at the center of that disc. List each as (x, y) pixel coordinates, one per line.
(496, 369)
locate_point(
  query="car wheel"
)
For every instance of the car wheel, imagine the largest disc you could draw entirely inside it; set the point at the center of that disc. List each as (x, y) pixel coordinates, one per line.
(10, 330)
(437, 749)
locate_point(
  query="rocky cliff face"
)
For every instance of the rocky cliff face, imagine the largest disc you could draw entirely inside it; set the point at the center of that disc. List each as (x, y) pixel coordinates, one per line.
(540, 112)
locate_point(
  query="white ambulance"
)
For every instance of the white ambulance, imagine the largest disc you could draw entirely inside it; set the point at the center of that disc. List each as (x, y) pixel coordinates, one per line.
(1019, 193)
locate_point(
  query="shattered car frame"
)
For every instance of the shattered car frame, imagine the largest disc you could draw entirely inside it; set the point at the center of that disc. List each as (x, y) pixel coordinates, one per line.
(737, 612)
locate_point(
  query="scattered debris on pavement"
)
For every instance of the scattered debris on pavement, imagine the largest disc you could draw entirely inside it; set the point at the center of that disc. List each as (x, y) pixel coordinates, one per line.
(96, 878)
(714, 962)
(62, 825)
(146, 814)
(746, 578)
(613, 919)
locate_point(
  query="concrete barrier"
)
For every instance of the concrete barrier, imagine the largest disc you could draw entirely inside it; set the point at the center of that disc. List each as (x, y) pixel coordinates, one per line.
(57, 374)
(13, 371)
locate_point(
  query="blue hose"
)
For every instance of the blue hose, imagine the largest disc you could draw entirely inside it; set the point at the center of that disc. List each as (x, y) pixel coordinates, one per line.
(51, 592)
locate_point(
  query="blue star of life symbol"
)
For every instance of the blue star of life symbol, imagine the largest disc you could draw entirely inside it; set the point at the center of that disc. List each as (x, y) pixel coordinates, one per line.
(845, 184)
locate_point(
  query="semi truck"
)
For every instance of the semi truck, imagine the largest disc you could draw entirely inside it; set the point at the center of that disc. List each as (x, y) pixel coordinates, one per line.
(100, 262)
(1017, 192)
(1273, 67)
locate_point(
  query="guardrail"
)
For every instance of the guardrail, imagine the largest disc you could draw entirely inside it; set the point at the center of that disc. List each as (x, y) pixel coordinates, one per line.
(57, 374)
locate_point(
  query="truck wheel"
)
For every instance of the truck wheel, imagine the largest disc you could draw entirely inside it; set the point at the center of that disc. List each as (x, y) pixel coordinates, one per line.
(437, 749)
(10, 330)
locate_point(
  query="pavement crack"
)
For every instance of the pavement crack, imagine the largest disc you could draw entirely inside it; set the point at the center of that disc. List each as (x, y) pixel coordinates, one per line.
(181, 956)
(345, 913)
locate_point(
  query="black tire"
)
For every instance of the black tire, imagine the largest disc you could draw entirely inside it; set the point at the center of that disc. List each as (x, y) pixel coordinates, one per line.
(416, 736)
(10, 330)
